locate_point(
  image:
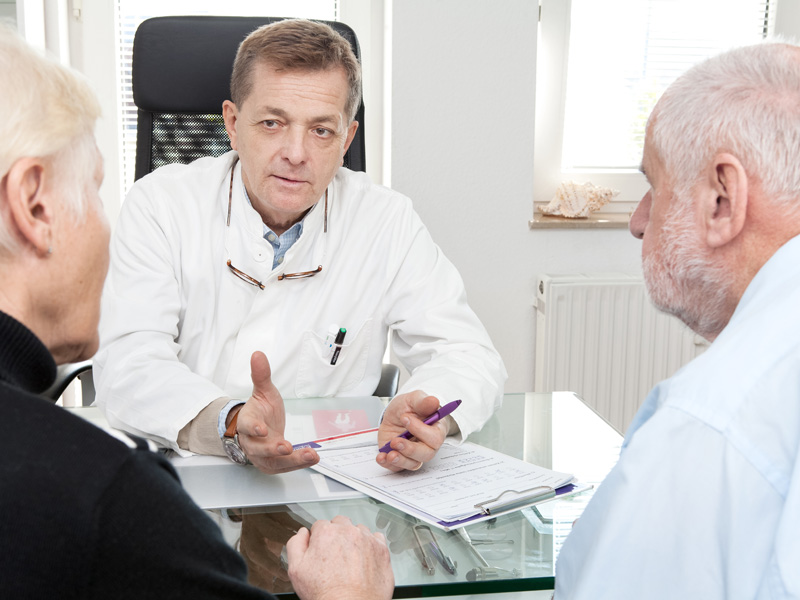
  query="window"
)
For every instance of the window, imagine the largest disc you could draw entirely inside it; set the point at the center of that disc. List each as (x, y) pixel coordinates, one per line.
(8, 12)
(602, 67)
(132, 12)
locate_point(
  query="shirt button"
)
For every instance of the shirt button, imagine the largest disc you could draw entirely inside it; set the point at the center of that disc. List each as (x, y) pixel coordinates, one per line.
(280, 260)
(272, 237)
(259, 253)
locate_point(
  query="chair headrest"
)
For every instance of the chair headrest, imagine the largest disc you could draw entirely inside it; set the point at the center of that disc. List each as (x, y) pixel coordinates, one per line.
(183, 64)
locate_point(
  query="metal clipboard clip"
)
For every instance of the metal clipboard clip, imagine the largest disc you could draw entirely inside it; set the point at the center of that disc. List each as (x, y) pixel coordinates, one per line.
(523, 498)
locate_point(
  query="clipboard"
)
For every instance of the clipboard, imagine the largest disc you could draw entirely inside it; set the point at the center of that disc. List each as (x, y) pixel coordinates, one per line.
(462, 485)
(450, 525)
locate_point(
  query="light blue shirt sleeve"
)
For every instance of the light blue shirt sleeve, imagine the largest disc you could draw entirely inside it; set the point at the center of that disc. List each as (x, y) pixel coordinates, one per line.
(223, 416)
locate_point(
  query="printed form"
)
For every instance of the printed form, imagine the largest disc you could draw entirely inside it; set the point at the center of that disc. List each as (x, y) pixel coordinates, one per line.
(447, 488)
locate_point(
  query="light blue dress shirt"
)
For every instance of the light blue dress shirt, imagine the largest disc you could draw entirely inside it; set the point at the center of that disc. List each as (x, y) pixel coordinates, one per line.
(705, 499)
(280, 243)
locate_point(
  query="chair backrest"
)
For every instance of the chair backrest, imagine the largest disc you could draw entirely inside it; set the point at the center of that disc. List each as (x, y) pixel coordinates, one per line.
(387, 386)
(65, 375)
(389, 381)
(181, 70)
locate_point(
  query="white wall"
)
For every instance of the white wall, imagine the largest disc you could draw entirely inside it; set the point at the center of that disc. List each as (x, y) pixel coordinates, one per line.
(463, 79)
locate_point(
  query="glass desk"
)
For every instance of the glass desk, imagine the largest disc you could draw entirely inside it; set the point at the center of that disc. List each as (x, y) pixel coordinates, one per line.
(515, 552)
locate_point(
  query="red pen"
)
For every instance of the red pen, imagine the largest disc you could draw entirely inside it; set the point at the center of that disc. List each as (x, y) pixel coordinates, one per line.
(317, 443)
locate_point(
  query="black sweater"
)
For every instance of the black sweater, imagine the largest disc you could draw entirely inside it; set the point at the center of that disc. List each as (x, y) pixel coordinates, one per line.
(82, 514)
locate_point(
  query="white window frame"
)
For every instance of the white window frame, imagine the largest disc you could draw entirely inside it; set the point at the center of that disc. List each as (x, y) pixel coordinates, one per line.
(43, 24)
(551, 86)
(551, 83)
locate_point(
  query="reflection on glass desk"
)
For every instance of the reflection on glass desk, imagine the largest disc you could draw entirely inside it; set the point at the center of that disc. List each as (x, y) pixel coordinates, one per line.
(258, 513)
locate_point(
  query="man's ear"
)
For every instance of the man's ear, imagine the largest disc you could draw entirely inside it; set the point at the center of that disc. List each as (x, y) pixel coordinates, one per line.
(229, 115)
(29, 206)
(724, 200)
(351, 134)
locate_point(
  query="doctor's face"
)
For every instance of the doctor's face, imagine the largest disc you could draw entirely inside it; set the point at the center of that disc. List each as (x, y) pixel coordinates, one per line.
(291, 133)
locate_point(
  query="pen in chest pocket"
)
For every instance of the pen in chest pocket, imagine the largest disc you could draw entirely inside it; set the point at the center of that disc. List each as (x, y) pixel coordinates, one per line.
(330, 339)
(338, 344)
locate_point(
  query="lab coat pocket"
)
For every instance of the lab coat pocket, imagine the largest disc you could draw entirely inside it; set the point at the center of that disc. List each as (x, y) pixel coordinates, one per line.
(317, 377)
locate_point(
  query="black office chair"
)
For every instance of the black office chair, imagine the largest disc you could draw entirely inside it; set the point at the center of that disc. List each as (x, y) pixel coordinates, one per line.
(181, 70)
(387, 386)
(66, 374)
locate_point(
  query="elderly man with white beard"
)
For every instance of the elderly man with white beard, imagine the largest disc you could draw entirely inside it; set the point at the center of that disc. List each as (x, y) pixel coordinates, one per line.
(705, 499)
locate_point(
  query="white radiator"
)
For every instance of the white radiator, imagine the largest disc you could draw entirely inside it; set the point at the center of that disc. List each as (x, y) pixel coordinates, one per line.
(600, 337)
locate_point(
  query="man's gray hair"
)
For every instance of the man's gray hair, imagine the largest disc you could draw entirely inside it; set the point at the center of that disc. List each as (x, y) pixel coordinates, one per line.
(48, 112)
(746, 102)
(296, 45)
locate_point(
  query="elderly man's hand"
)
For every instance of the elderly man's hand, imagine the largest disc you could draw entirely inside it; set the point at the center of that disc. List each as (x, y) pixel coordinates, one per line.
(262, 421)
(339, 560)
(407, 411)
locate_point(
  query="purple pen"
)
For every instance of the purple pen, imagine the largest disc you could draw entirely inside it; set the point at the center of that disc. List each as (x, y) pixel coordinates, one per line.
(439, 414)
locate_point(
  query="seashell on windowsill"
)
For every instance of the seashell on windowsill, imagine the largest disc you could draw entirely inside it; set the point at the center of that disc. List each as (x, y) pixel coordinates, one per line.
(578, 200)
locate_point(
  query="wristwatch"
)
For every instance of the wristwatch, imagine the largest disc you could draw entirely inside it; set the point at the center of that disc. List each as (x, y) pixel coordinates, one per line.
(231, 443)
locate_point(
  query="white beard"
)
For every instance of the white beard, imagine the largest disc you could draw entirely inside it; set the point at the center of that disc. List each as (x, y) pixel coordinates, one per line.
(682, 278)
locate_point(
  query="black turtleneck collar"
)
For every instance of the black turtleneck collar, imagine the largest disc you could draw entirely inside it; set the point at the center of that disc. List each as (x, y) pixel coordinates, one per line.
(24, 360)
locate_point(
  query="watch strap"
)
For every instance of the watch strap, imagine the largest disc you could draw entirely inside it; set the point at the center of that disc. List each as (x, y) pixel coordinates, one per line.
(231, 430)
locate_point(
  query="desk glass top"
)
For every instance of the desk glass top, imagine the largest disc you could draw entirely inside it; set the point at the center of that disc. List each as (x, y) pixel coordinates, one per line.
(258, 513)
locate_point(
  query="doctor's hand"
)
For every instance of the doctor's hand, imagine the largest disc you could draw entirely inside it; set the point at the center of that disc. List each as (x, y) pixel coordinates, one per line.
(406, 412)
(262, 421)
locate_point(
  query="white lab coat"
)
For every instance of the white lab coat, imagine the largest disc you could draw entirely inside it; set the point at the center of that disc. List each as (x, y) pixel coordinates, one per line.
(178, 328)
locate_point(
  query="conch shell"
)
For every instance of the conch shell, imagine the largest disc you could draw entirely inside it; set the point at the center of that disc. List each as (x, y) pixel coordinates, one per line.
(576, 200)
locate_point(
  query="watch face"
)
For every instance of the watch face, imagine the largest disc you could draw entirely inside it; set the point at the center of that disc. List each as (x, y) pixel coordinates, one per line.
(234, 451)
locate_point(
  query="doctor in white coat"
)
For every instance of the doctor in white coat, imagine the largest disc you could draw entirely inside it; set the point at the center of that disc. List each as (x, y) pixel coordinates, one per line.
(270, 251)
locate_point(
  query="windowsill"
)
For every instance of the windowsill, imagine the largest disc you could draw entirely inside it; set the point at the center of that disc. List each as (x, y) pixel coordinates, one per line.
(598, 220)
